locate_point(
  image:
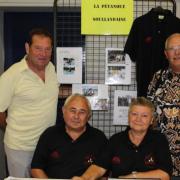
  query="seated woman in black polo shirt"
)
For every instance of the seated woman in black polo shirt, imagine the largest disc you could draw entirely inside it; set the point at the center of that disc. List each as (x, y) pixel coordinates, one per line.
(137, 152)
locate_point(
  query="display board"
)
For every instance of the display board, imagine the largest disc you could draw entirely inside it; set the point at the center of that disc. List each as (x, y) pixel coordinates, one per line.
(94, 54)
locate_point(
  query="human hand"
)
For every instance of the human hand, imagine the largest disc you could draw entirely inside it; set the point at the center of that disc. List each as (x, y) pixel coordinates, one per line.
(78, 178)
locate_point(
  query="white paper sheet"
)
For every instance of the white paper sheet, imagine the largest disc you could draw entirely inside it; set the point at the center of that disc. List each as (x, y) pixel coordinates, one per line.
(122, 100)
(97, 94)
(69, 64)
(118, 67)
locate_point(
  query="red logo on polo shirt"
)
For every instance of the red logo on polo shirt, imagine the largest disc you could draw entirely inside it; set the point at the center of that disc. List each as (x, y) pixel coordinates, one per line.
(148, 40)
(55, 154)
(149, 160)
(89, 159)
(116, 160)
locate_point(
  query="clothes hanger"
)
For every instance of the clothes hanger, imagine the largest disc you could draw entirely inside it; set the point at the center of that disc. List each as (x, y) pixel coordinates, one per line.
(160, 10)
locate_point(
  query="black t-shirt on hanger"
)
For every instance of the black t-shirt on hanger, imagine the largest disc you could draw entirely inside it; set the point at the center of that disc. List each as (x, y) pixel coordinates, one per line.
(145, 44)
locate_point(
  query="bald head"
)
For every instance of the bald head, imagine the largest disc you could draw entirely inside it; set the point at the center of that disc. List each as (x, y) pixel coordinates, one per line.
(172, 36)
(172, 51)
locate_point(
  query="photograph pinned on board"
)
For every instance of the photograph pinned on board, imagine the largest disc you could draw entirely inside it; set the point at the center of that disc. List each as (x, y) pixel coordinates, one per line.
(69, 64)
(122, 100)
(116, 56)
(90, 90)
(118, 67)
(100, 104)
(97, 95)
(116, 73)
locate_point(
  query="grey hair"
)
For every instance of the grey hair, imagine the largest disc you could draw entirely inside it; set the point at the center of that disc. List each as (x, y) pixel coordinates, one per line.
(142, 101)
(75, 95)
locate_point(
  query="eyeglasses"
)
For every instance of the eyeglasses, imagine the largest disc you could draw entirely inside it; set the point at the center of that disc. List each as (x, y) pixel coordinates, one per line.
(173, 49)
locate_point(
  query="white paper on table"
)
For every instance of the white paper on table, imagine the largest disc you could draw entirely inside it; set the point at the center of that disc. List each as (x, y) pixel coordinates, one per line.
(17, 178)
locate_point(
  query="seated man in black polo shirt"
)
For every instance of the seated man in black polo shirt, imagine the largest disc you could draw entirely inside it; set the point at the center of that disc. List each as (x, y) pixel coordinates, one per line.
(68, 150)
(137, 152)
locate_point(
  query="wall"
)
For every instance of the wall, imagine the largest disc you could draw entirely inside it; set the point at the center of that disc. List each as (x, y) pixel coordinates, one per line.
(27, 3)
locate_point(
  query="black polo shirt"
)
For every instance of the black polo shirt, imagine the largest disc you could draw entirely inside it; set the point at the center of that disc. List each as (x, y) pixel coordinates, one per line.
(122, 157)
(145, 44)
(61, 157)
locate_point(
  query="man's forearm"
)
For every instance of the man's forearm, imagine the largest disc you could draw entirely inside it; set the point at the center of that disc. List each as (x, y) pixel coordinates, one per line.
(93, 172)
(38, 173)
